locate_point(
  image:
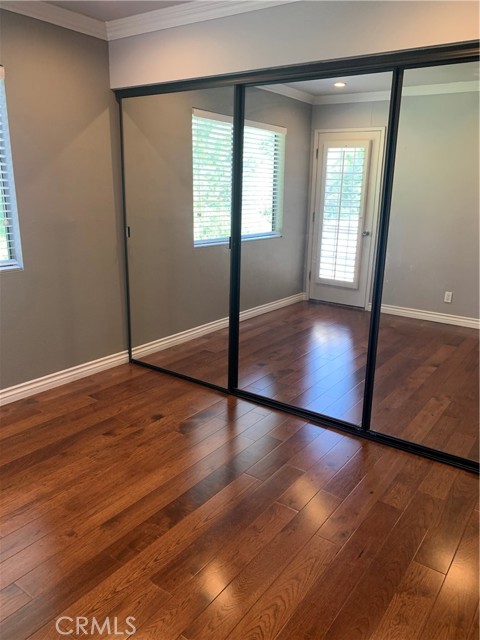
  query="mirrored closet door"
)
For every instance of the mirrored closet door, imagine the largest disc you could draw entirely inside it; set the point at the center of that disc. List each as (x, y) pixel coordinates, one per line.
(313, 159)
(289, 243)
(178, 181)
(426, 382)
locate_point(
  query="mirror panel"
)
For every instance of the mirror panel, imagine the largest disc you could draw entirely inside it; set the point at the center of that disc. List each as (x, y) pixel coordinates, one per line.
(178, 198)
(426, 383)
(306, 280)
(313, 160)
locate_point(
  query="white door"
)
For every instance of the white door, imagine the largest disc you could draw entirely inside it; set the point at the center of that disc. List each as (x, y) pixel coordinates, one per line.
(346, 200)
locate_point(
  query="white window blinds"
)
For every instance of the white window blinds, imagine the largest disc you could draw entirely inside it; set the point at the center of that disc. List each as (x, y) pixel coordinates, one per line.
(212, 141)
(263, 169)
(10, 254)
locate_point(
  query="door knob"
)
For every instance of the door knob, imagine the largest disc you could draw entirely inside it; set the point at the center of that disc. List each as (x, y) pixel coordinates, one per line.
(365, 233)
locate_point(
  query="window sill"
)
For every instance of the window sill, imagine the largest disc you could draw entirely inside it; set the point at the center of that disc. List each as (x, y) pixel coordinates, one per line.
(14, 266)
(225, 241)
(264, 236)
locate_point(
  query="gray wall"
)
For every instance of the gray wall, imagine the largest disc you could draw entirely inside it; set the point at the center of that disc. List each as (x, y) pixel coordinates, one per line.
(350, 115)
(433, 236)
(288, 34)
(174, 285)
(434, 231)
(274, 268)
(65, 308)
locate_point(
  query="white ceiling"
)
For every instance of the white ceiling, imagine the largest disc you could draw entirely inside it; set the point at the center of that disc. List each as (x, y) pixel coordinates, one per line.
(106, 10)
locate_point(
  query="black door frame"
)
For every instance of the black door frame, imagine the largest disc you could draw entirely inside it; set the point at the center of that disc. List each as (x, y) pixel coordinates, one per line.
(396, 63)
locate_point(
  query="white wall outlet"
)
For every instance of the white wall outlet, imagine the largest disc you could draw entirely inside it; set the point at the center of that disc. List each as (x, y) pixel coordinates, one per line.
(448, 297)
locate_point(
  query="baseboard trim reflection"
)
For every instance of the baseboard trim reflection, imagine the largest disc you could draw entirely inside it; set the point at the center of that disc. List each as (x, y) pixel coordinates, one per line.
(430, 316)
(210, 327)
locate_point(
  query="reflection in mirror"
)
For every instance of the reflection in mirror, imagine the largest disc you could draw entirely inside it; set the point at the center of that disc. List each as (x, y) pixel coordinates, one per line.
(178, 164)
(426, 383)
(306, 279)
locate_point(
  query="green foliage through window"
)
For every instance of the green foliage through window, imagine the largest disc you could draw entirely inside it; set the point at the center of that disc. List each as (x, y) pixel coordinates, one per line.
(263, 160)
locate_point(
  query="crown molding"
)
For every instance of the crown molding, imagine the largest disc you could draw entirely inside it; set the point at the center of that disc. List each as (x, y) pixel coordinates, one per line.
(344, 98)
(189, 13)
(371, 96)
(58, 16)
(465, 86)
(378, 96)
(183, 14)
(289, 92)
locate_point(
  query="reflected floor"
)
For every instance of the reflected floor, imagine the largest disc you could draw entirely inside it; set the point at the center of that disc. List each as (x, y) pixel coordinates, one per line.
(427, 384)
(204, 358)
(310, 355)
(314, 355)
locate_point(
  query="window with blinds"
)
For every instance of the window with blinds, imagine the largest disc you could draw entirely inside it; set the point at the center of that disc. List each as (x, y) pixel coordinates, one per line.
(10, 253)
(263, 169)
(343, 206)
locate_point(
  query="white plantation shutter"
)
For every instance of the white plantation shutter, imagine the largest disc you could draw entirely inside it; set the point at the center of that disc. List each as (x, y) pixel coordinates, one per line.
(10, 254)
(342, 212)
(263, 168)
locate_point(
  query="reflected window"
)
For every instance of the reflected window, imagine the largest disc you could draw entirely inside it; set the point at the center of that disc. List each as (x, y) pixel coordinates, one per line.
(263, 172)
(10, 251)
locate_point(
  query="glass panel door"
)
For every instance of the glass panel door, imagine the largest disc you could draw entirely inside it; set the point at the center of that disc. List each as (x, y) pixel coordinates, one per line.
(343, 184)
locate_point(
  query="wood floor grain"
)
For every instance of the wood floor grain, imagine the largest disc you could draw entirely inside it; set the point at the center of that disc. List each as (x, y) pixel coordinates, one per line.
(202, 516)
(313, 356)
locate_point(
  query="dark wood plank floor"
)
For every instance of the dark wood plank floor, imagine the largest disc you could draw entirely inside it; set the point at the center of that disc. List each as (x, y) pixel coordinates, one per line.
(314, 356)
(131, 493)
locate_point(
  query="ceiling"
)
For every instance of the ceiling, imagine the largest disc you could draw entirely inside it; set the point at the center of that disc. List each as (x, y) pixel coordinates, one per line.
(106, 10)
(466, 72)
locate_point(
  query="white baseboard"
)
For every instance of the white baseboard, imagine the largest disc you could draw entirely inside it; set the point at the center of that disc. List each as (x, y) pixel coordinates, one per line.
(38, 385)
(178, 338)
(31, 387)
(210, 327)
(431, 316)
(273, 306)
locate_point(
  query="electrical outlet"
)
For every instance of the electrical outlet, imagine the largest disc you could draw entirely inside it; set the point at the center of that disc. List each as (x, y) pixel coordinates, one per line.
(448, 297)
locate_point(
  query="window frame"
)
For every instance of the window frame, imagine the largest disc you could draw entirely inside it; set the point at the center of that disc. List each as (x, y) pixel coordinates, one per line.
(278, 186)
(7, 186)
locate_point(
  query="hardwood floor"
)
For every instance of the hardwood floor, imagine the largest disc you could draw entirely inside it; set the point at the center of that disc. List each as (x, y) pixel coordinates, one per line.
(132, 493)
(314, 356)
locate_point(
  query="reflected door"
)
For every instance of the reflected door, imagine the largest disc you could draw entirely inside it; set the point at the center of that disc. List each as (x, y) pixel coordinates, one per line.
(346, 204)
